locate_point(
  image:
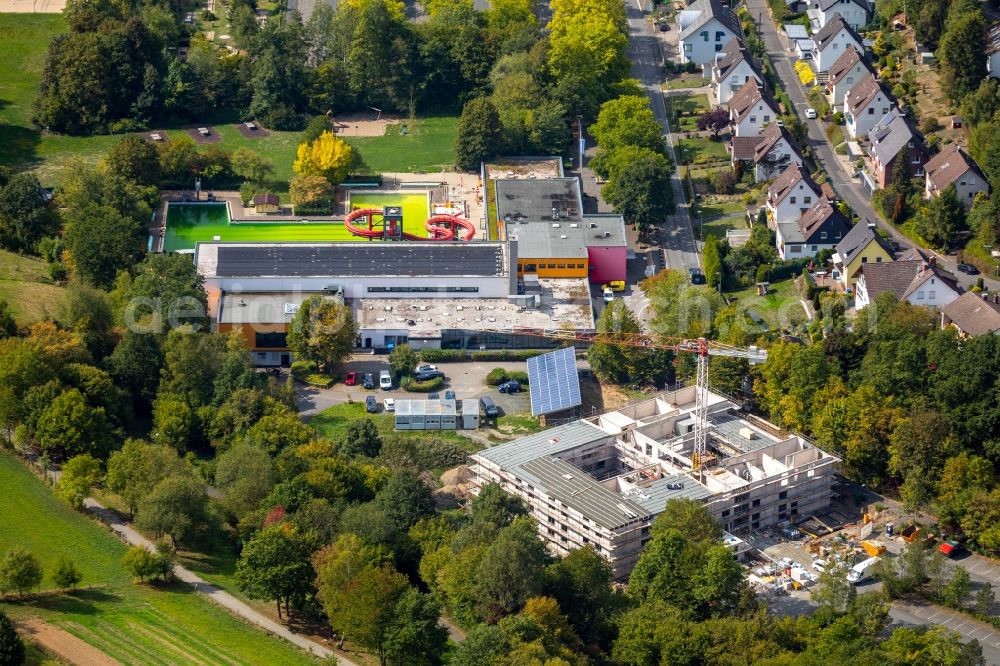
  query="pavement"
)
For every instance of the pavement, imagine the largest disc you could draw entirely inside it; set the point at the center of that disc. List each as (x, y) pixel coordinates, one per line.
(846, 185)
(646, 52)
(128, 534)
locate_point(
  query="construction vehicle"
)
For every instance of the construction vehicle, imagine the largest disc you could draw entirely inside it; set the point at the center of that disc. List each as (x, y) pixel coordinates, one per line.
(701, 347)
(873, 548)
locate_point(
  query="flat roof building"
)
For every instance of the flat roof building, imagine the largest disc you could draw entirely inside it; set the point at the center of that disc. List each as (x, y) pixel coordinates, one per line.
(603, 480)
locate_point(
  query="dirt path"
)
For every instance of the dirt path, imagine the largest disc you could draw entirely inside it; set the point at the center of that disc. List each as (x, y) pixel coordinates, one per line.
(64, 645)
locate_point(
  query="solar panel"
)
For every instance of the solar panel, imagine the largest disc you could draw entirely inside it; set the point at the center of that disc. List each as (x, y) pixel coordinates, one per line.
(553, 382)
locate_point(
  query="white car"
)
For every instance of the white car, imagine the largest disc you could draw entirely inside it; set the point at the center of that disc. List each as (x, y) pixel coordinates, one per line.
(385, 380)
(811, 113)
(390, 404)
(425, 367)
(608, 295)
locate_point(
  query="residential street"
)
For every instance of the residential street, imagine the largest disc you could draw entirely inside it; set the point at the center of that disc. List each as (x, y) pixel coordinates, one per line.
(847, 187)
(677, 239)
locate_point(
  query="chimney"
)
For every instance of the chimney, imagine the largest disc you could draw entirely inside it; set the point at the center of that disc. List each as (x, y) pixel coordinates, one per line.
(933, 261)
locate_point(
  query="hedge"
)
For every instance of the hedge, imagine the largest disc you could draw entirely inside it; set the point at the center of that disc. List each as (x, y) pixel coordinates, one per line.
(308, 373)
(496, 377)
(494, 355)
(431, 384)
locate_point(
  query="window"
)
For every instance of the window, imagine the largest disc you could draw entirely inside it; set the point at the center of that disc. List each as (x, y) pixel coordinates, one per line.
(864, 260)
(756, 502)
(793, 200)
(871, 111)
(794, 249)
(783, 494)
(562, 265)
(807, 200)
(704, 35)
(718, 47)
(552, 265)
(836, 46)
(736, 82)
(878, 260)
(920, 295)
(398, 290)
(273, 340)
(850, 79)
(815, 248)
(719, 35)
(529, 268)
(962, 183)
(931, 294)
(822, 235)
(767, 118)
(753, 119)
(687, 48)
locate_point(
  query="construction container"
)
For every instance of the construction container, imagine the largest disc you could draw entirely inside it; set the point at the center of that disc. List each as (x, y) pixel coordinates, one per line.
(873, 548)
(910, 533)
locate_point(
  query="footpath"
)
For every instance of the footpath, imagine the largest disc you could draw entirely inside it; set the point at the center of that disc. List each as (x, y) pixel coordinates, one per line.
(128, 534)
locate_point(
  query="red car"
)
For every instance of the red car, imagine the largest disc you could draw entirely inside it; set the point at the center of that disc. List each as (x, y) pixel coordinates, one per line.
(351, 379)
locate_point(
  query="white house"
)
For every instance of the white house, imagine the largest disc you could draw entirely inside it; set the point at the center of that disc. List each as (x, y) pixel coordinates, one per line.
(845, 73)
(865, 105)
(952, 166)
(790, 195)
(773, 153)
(704, 27)
(832, 40)
(750, 110)
(819, 228)
(918, 282)
(732, 69)
(993, 50)
(855, 12)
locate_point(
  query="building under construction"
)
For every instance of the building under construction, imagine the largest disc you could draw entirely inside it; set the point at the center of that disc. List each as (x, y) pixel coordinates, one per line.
(603, 480)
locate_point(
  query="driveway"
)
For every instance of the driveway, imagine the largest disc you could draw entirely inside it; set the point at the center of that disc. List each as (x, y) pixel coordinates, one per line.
(847, 187)
(646, 51)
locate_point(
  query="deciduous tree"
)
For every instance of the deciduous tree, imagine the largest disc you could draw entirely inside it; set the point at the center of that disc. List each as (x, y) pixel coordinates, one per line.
(65, 574)
(19, 571)
(274, 565)
(328, 156)
(11, 645)
(479, 134)
(69, 426)
(25, 214)
(322, 330)
(79, 474)
(177, 506)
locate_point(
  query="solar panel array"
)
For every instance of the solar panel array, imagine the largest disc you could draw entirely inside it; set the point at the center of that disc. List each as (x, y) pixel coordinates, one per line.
(553, 382)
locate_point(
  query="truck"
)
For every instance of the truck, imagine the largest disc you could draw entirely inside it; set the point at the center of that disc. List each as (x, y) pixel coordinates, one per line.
(863, 570)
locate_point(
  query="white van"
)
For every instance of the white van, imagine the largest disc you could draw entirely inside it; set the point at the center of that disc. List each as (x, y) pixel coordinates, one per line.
(863, 570)
(385, 380)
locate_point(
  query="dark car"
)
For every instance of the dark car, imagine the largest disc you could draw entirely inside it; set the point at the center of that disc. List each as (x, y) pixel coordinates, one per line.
(428, 374)
(489, 407)
(433, 396)
(369, 381)
(697, 277)
(968, 269)
(512, 386)
(371, 404)
(663, 26)
(449, 395)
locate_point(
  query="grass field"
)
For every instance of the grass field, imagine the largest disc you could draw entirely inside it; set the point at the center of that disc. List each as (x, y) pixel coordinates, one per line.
(427, 145)
(25, 285)
(134, 624)
(701, 150)
(779, 309)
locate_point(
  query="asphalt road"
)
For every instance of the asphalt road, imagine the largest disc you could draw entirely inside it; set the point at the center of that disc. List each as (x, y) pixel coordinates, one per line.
(847, 187)
(645, 49)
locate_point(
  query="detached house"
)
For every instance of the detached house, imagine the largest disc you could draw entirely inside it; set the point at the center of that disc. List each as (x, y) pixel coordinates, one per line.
(832, 40)
(972, 314)
(819, 228)
(893, 139)
(774, 153)
(790, 195)
(865, 105)
(953, 166)
(845, 73)
(855, 12)
(704, 27)
(750, 110)
(862, 245)
(733, 69)
(918, 282)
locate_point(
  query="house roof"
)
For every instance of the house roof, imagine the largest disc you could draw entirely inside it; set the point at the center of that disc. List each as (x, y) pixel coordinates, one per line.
(901, 278)
(827, 4)
(863, 93)
(742, 147)
(973, 314)
(889, 136)
(768, 138)
(786, 182)
(701, 12)
(858, 238)
(735, 53)
(265, 199)
(821, 213)
(993, 39)
(746, 97)
(845, 63)
(795, 31)
(831, 30)
(948, 166)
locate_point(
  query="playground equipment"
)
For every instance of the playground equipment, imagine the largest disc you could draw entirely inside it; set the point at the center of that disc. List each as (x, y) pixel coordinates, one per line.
(390, 227)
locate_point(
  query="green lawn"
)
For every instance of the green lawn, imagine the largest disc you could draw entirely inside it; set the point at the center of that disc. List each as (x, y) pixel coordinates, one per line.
(689, 107)
(688, 81)
(135, 624)
(701, 150)
(332, 423)
(779, 309)
(428, 145)
(719, 226)
(25, 285)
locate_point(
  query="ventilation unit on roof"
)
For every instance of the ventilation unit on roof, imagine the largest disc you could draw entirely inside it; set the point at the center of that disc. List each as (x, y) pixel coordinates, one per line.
(568, 477)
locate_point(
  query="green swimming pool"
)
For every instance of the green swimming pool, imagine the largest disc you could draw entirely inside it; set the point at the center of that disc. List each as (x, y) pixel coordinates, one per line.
(191, 223)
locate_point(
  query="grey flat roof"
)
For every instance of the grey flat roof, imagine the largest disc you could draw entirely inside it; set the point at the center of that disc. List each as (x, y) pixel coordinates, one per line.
(364, 259)
(578, 490)
(548, 442)
(655, 496)
(566, 238)
(534, 199)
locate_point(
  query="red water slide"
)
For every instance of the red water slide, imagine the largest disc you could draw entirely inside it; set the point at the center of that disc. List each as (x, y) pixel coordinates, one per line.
(440, 227)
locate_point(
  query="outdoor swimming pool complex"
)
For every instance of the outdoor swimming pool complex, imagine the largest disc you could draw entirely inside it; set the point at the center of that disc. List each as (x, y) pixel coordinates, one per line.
(191, 223)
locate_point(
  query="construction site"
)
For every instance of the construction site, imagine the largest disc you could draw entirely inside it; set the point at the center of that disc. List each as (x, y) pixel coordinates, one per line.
(603, 480)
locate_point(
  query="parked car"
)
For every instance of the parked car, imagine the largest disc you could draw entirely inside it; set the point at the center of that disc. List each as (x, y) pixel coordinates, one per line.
(425, 367)
(433, 396)
(371, 404)
(489, 407)
(968, 269)
(428, 374)
(389, 404)
(385, 380)
(697, 277)
(369, 381)
(449, 395)
(811, 114)
(663, 26)
(351, 379)
(617, 285)
(608, 294)
(512, 386)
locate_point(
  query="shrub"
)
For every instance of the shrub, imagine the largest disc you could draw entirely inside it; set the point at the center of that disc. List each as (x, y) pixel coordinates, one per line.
(435, 453)
(442, 355)
(838, 118)
(432, 384)
(497, 376)
(518, 376)
(508, 354)
(304, 368)
(724, 182)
